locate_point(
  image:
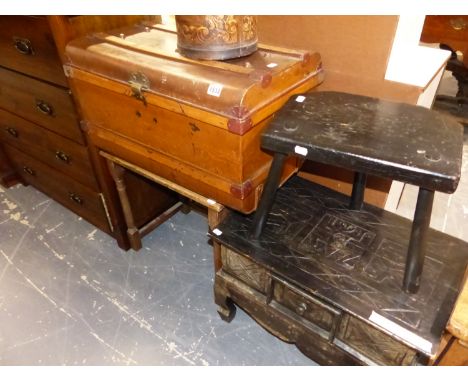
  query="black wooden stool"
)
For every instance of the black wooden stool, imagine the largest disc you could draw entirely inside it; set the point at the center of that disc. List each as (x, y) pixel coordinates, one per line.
(399, 141)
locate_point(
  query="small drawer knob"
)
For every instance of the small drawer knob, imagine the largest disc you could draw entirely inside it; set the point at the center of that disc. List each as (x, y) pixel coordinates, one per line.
(301, 308)
(44, 107)
(75, 198)
(12, 131)
(23, 46)
(60, 155)
(29, 170)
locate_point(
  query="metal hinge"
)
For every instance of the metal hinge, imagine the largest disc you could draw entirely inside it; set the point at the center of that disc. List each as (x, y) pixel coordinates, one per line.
(139, 83)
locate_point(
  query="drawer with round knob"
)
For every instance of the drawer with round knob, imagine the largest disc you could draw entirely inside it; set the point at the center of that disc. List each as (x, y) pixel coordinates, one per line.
(314, 312)
(63, 154)
(39, 102)
(27, 46)
(65, 190)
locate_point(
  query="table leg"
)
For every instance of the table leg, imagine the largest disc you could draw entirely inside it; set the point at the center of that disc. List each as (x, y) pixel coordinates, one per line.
(214, 219)
(133, 233)
(268, 194)
(417, 243)
(359, 186)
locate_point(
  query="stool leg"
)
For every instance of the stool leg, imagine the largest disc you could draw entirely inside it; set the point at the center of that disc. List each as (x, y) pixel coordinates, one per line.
(417, 243)
(359, 186)
(268, 194)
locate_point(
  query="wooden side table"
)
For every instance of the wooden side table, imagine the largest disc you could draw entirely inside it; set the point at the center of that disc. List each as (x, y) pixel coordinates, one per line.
(118, 167)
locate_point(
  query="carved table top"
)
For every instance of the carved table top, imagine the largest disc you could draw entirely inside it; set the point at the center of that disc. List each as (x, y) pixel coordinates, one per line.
(354, 260)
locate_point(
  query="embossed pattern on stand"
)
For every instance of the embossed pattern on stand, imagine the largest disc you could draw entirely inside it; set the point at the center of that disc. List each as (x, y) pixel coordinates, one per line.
(352, 259)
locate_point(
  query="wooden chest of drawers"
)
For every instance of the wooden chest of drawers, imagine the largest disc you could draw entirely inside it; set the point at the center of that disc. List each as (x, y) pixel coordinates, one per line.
(82, 200)
(41, 142)
(39, 126)
(64, 155)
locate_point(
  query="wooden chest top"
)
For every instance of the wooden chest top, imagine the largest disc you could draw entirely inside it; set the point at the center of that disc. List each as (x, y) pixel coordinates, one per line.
(145, 59)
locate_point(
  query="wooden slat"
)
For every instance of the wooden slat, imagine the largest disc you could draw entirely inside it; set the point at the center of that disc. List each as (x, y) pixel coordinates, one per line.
(125, 43)
(211, 204)
(280, 50)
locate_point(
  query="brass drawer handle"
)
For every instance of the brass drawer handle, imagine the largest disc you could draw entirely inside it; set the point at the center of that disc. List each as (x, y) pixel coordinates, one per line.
(44, 107)
(23, 45)
(29, 170)
(12, 131)
(458, 24)
(75, 198)
(301, 308)
(60, 155)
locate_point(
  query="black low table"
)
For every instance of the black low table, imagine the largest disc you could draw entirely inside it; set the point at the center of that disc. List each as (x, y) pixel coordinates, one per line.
(327, 278)
(370, 136)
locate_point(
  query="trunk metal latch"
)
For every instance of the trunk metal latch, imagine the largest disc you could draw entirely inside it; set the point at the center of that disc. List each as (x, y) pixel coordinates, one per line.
(139, 83)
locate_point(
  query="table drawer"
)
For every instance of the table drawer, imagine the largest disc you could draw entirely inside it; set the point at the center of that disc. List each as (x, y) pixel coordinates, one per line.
(374, 344)
(73, 195)
(58, 152)
(244, 269)
(27, 45)
(47, 105)
(309, 308)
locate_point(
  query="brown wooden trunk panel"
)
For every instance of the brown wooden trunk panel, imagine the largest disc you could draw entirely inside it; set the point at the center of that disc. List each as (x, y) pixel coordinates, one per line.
(191, 141)
(65, 190)
(197, 180)
(21, 95)
(27, 45)
(60, 153)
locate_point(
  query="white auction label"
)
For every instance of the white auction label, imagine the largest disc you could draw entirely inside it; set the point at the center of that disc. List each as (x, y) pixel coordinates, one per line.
(401, 332)
(300, 98)
(215, 90)
(217, 232)
(272, 65)
(301, 150)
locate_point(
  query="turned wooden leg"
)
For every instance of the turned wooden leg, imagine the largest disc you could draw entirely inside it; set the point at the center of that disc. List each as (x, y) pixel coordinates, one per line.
(215, 217)
(417, 243)
(133, 233)
(226, 308)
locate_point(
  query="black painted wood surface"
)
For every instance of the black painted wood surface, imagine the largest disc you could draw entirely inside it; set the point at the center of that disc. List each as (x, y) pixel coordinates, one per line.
(394, 140)
(354, 260)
